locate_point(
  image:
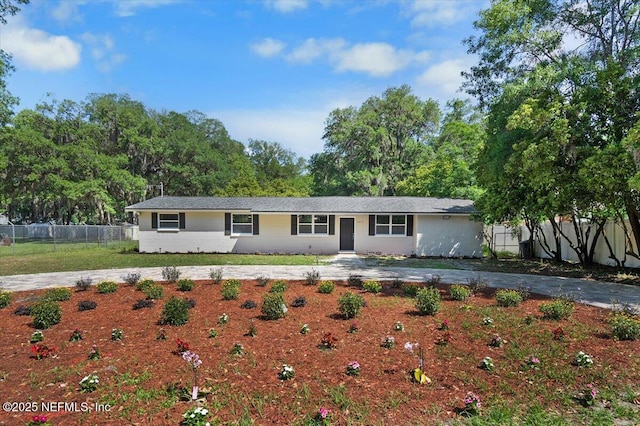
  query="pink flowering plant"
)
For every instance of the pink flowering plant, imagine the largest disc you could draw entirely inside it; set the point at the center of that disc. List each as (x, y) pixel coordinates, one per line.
(388, 342)
(94, 353)
(532, 362)
(353, 368)
(322, 417)
(472, 404)
(418, 374)
(588, 395)
(38, 421)
(194, 362)
(496, 341)
(444, 325)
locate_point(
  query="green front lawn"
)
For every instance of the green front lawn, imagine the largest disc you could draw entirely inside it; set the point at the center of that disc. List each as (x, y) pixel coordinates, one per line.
(70, 258)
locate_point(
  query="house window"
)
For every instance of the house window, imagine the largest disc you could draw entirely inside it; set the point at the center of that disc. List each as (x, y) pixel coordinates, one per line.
(313, 224)
(242, 224)
(168, 221)
(391, 224)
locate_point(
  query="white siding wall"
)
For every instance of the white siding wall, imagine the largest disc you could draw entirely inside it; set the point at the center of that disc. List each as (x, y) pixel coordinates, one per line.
(383, 244)
(205, 233)
(457, 236)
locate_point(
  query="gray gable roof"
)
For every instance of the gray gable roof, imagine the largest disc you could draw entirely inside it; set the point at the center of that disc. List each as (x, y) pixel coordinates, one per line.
(371, 205)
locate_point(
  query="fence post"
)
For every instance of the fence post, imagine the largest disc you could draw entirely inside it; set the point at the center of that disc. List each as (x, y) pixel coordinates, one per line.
(53, 231)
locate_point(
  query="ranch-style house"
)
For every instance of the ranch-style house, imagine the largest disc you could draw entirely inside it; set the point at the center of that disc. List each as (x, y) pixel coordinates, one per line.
(419, 226)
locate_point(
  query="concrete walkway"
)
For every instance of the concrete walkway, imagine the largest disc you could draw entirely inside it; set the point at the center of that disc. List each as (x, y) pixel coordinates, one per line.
(595, 293)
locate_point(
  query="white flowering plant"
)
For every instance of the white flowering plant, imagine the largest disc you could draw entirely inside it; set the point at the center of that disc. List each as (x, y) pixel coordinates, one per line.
(487, 364)
(89, 383)
(195, 416)
(286, 372)
(583, 360)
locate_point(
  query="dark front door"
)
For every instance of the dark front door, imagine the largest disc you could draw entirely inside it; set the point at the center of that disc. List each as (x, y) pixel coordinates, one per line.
(346, 234)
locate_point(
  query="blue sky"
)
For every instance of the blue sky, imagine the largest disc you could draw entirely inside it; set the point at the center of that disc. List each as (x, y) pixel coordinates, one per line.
(270, 70)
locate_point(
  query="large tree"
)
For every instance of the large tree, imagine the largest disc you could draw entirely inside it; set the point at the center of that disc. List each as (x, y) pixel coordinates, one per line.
(368, 150)
(559, 79)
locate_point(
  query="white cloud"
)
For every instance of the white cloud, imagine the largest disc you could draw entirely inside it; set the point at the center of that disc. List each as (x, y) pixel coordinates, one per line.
(103, 51)
(268, 47)
(443, 80)
(126, 8)
(38, 50)
(375, 59)
(313, 49)
(430, 13)
(299, 130)
(67, 11)
(287, 6)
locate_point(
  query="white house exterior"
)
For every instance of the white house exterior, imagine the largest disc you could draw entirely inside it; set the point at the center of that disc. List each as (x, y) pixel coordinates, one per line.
(313, 225)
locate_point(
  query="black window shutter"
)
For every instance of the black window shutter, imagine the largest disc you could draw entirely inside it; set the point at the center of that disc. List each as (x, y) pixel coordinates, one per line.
(154, 220)
(332, 224)
(182, 220)
(227, 224)
(409, 225)
(372, 224)
(256, 225)
(294, 224)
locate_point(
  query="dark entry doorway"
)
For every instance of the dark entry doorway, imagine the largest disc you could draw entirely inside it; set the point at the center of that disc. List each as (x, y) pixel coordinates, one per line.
(347, 234)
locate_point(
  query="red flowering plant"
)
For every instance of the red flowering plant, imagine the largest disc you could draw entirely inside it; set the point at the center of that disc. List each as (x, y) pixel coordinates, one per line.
(558, 333)
(329, 341)
(41, 351)
(76, 335)
(182, 346)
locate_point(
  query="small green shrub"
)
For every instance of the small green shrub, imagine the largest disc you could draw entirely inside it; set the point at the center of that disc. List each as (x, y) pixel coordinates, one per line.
(171, 274)
(355, 281)
(186, 284)
(326, 287)
(278, 287)
(508, 298)
(153, 291)
(83, 283)
(5, 298)
(273, 306)
(410, 289)
(624, 326)
(428, 301)
(175, 312)
(216, 275)
(349, 304)
(144, 284)
(372, 286)
(557, 309)
(459, 292)
(58, 294)
(45, 313)
(106, 287)
(312, 277)
(230, 289)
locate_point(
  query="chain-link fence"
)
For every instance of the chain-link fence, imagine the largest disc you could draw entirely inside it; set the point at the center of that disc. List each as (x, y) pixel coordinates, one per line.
(39, 237)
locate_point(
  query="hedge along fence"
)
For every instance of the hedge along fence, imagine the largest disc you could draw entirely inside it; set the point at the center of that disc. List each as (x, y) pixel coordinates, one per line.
(39, 237)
